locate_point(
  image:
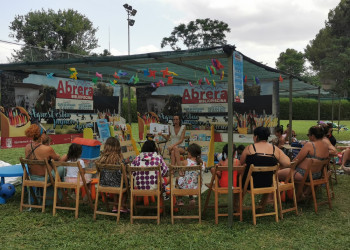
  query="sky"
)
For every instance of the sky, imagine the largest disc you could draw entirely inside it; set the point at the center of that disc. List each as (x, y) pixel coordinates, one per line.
(260, 29)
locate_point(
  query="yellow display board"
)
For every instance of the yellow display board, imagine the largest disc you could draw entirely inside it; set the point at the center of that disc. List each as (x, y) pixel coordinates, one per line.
(205, 139)
(14, 121)
(127, 143)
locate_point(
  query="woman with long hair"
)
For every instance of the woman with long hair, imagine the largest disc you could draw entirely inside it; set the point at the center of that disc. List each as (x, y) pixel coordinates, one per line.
(315, 149)
(111, 154)
(36, 150)
(176, 139)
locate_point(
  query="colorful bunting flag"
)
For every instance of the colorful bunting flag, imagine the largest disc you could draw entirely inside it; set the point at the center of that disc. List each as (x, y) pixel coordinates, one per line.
(280, 79)
(146, 72)
(152, 73)
(222, 75)
(257, 80)
(94, 80)
(50, 76)
(136, 79)
(165, 72)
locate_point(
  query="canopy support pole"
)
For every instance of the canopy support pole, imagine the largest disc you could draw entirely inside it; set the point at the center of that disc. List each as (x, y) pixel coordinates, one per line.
(319, 105)
(290, 109)
(129, 105)
(332, 108)
(275, 100)
(120, 105)
(230, 83)
(339, 115)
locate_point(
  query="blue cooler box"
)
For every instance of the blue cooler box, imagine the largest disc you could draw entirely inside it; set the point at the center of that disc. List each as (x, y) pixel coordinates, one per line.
(90, 151)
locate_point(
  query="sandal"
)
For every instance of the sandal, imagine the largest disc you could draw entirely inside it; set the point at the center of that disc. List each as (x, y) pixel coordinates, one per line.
(192, 202)
(180, 203)
(124, 210)
(114, 210)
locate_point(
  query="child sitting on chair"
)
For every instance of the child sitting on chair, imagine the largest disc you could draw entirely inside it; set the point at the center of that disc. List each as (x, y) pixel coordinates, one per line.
(74, 154)
(189, 179)
(223, 175)
(112, 155)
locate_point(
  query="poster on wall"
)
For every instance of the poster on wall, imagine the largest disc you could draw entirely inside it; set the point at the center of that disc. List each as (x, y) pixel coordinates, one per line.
(103, 129)
(201, 106)
(62, 106)
(238, 77)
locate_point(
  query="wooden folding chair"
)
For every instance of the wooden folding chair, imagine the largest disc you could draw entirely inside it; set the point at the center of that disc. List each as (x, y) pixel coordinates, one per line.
(213, 186)
(108, 189)
(175, 191)
(286, 186)
(27, 182)
(81, 182)
(332, 172)
(141, 192)
(262, 190)
(308, 181)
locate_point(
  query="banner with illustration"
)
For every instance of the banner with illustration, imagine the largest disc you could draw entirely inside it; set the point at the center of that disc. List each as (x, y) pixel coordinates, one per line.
(238, 77)
(201, 106)
(60, 105)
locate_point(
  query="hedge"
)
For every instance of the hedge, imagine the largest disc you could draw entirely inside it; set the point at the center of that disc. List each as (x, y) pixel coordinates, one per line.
(133, 110)
(306, 109)
(303, 109)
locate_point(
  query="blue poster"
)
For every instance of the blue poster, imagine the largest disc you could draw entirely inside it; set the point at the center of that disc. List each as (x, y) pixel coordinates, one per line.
(238, 89)
(103, 129)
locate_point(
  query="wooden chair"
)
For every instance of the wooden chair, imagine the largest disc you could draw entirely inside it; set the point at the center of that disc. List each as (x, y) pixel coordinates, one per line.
(175, 191)
(81, 182)
(141, 192)
(122, 189)
(332, 172)
(308, 181)
(332, 166)
(213, 186)
(286, 186)
(27, 182)
(263, 190)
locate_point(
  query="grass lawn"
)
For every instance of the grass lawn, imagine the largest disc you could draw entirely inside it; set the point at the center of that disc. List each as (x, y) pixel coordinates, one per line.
(329, 229)
(301, 128)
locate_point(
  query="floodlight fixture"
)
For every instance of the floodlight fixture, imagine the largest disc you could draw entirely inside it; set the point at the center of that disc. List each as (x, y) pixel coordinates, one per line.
(131, 22)
(133, 12)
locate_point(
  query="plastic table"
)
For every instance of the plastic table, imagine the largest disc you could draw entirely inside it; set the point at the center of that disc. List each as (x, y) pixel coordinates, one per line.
(10, 171)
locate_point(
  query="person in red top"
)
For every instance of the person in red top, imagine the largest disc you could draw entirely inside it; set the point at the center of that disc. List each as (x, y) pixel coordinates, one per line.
(223, 175)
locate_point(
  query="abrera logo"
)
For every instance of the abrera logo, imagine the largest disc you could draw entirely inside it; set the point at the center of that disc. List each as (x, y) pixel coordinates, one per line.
(204, 96)
(71, 90)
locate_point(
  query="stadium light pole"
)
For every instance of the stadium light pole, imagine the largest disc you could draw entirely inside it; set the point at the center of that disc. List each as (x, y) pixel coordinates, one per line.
(131, 22)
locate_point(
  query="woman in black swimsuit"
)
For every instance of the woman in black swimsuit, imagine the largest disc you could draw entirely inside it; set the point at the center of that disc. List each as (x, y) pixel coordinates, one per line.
(262, 153)
(316, 149)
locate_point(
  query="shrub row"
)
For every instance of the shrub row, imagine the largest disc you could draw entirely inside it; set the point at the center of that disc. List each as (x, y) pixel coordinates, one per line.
(306, 109)
(303, 109)
(133, 109)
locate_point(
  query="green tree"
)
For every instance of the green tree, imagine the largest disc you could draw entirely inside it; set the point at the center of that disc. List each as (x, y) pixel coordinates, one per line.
(291, 61)
(201, 33)
(102, 89)
(104, 53)
(47, 33)
(329, 52)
